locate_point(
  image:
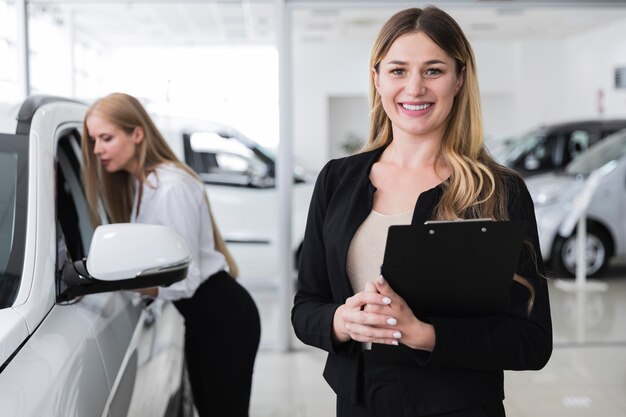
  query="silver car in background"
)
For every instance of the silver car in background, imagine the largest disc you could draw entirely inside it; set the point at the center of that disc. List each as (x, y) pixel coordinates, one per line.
(555, 197)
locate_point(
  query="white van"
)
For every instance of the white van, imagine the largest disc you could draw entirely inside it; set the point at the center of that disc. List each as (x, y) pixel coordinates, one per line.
(240, 178)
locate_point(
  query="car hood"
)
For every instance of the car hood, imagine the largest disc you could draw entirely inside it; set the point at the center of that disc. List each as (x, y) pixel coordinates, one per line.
(546, 189)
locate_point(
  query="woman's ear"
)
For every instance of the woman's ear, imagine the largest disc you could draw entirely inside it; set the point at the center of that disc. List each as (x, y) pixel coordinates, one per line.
(459, 81)
(138, 135)
(375, 77)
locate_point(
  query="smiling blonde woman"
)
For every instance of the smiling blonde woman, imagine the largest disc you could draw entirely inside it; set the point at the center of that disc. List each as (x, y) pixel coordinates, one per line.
(425, 160)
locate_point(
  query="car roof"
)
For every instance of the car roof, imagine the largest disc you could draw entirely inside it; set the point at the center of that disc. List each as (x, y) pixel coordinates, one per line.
(583, 123)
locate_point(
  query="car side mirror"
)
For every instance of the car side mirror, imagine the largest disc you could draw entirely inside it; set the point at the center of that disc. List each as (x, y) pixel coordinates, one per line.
(126, 256)
(258, 176)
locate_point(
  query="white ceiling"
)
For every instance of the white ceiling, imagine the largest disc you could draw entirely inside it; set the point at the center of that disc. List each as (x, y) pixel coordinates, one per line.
(162, 23)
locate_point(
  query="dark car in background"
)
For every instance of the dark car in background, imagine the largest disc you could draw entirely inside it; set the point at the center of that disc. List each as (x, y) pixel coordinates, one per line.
(552, 147)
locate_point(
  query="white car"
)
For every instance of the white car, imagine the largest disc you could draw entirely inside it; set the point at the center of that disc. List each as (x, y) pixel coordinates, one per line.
(73, 341)
(240, 178)
(555, 197)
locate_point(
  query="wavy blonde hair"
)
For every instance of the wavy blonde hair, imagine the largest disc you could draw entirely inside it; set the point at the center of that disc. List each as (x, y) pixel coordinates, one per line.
(476, 187)
(117, 189)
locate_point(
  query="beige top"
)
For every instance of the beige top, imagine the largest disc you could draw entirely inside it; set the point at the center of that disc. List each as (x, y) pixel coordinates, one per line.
(366, 251)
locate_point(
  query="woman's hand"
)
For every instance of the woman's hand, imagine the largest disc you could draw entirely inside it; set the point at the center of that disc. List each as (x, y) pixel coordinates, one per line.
(414, 333)
(356, 320)
(150, 291)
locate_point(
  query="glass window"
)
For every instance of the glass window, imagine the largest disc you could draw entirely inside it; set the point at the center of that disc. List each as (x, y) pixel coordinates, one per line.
(543, 154)
(604, 154)
(72, 208)
(226, 160)
(13, 198)
(575, 144)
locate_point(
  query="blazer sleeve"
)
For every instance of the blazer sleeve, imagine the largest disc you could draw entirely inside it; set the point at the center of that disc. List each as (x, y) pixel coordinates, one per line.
(518, 340)
(314, 305)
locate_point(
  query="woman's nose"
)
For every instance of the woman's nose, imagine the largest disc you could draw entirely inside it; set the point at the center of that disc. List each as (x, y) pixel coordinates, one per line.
(415, 84)
(97, 148)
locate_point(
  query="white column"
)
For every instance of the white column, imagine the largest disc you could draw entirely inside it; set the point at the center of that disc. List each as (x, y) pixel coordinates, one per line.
(284, 173)
(23, 47)
(71, 35)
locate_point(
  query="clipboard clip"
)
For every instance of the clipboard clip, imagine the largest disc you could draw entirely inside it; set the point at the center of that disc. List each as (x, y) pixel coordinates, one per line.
(481, 219)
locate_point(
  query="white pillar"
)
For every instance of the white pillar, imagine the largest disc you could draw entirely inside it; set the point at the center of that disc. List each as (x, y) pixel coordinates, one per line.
(581, 253)
(71, 35)
(284, 174)
(23, 47)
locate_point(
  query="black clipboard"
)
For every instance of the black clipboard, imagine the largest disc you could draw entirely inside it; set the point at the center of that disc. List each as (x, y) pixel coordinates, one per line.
(455, 268)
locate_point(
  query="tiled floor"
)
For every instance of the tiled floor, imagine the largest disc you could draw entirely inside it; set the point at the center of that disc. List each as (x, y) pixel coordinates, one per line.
(586, 375)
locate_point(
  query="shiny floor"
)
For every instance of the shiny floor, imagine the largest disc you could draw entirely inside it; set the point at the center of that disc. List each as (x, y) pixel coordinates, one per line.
(586, 375)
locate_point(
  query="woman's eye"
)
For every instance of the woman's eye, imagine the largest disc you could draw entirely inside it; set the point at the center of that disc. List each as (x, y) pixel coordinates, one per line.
(433, 71)
(397, 71)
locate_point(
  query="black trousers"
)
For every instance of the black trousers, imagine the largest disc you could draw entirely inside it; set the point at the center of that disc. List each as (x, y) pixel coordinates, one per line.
(382, 396)
(222, 334)
(394, 408)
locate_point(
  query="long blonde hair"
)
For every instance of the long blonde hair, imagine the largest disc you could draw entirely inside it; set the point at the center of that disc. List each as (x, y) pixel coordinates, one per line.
(476, 187)
(117, 189)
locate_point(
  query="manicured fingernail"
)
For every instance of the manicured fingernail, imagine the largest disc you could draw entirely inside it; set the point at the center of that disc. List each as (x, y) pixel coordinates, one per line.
(397, 335)
(392, 321)
(395, 343)
(386, 300)
(380, 279)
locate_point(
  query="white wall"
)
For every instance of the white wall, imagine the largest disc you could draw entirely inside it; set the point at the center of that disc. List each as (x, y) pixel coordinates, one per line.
(540, 83)
(591, 61)
(320, 72)
(496, 65)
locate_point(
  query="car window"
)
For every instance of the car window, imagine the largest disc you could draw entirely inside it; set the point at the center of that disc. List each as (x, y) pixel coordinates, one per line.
(545, 151)
(225, 160)
(13, 201)
(72, 209)
(609, 131)
(519, 147)
(576, 143)
(604, 154)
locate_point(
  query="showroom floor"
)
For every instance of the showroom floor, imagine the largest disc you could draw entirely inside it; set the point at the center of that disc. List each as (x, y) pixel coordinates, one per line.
(586, 375)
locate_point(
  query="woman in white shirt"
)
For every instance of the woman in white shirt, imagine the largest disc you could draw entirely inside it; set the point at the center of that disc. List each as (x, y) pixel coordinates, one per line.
(129, 165)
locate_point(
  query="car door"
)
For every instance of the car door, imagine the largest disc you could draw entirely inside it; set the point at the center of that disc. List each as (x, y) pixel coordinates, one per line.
(621, 239)
(140, 341)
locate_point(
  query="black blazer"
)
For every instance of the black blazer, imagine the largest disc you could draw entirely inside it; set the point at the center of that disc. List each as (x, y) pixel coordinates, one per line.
(466, 367)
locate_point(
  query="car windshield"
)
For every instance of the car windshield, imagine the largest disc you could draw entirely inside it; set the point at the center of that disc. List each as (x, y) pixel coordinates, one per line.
(600, 155)
(510, 153)
(13, 191)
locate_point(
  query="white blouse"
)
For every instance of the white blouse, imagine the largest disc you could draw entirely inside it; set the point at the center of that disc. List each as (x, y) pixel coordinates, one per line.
(172, 197)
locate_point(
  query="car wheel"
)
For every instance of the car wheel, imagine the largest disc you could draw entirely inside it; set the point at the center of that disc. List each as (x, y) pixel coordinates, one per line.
(597, 253)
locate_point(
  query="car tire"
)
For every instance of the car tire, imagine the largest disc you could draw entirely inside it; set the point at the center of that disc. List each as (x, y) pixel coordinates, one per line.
(597, 247)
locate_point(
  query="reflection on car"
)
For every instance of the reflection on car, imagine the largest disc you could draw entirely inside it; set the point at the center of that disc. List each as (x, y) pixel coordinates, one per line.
(555, 198)
(73, 342)
(552, 147)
